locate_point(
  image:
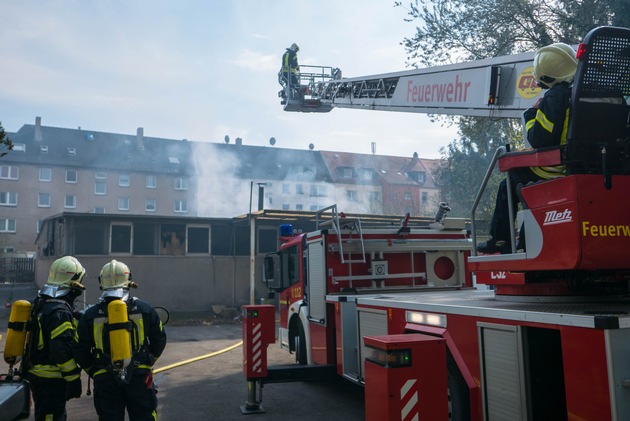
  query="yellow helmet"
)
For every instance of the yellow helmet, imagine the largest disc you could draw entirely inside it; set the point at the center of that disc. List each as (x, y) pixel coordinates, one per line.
(294, 47)
(115, 274)
(554, 63)
(66, 271)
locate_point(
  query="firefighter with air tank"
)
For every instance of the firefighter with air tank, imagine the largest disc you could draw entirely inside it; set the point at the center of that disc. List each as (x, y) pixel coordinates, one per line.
(41, 337)
(119, 340)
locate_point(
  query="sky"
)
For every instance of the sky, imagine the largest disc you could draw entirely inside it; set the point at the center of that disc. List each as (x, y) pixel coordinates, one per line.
(201, 70)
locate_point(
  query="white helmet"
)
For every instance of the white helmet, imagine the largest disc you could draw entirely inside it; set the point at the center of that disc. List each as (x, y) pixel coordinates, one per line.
(65, 274)
(554, 63)
(115, 275)
(294, 47)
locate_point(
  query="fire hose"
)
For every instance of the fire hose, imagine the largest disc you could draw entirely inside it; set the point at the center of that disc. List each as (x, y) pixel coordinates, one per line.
(195, 359)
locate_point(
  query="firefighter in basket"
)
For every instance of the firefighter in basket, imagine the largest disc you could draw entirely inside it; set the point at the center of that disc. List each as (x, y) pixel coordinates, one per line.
(49, 365)
(289, 74)
(546, 123)
(120, 338)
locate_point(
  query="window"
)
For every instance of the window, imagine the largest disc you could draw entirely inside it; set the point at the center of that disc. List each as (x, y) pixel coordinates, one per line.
(71, 151)
(374, 196)
(198, 239)
(285, 188)
(71, 176)
(99, 210)
(19, 147)
(151, 182)
(314, 208)
(43, 200)
(150, 205)
(425, 199)
(123, 203)
(299, 189)
(100, 187)
(7, 225)
(181, 206)
(345, 172)
(43, 148)
(70, 201)
(365, 173)
(181, 183)
(173, 160)
(45, 174)
(407, 195)
(120, 239)
(285, 206)
(100, 175)
(124, 180)
(9, 172)
(38, 227)
(173, 238)
(417, 176)
(318, 191)
(352, 195)
(8, 199)
(299, 207)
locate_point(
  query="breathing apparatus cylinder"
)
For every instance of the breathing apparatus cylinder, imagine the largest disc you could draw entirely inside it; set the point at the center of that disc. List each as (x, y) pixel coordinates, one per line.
(119, 334)
(17, 331)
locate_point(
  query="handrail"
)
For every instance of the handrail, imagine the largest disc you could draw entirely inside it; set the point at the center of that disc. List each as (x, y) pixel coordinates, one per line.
(500, 151)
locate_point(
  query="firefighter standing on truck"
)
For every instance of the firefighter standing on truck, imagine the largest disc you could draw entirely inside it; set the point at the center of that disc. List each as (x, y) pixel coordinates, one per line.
(52, 372)
(118, 348)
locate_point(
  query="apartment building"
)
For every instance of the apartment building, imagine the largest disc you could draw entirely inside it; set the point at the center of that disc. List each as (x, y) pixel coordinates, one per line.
(55, 170)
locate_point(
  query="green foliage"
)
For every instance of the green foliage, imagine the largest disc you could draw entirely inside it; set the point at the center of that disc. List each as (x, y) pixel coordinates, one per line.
(5, 143)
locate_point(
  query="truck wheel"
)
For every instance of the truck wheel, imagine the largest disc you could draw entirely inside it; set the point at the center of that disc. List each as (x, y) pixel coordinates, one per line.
(300, 346)
(458, 395)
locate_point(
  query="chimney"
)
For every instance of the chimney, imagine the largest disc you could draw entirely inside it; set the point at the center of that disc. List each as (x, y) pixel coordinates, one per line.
(373, 148)
(238, 141)
(140, 139)
(38, 129)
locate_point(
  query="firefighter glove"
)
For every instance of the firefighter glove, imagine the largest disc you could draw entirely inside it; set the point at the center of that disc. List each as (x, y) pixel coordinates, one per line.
(73, 389)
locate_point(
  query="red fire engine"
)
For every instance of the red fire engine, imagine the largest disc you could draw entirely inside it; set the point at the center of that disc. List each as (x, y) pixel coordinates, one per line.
(395, 308)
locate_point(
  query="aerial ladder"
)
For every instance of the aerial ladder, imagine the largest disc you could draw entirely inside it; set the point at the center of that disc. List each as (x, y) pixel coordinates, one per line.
(500, 87)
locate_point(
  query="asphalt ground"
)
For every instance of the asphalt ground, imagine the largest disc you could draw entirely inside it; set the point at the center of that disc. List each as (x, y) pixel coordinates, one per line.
(214, 388)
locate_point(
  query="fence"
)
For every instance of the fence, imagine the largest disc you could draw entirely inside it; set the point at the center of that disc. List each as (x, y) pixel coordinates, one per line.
(17, 270)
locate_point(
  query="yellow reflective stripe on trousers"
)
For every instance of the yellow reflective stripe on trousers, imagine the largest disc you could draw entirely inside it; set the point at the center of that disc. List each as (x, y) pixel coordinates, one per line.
(60, 329)
(49, 417)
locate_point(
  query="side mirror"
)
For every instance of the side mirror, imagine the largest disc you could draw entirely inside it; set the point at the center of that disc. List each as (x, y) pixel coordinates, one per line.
(269, 269)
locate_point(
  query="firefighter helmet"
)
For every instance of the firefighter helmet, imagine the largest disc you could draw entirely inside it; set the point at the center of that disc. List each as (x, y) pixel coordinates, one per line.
(64, 277)
(115, 274)
(294, 47)
(554, 63)
(64, 271)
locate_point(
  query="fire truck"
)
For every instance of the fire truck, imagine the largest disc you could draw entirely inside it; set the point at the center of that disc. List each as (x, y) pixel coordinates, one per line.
(399, 309)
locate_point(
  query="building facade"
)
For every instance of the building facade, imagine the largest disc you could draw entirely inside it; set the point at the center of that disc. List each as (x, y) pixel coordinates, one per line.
(54, 170)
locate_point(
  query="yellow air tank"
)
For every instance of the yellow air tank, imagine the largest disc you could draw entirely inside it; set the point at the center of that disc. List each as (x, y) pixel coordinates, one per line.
(16, 333)
(119, 335)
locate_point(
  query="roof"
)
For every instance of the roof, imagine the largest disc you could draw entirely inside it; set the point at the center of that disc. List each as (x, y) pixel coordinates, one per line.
(99, 150)
(385, 169)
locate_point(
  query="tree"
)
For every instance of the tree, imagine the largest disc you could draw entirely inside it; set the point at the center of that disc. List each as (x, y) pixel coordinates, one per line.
(5, 143)
(462, 30)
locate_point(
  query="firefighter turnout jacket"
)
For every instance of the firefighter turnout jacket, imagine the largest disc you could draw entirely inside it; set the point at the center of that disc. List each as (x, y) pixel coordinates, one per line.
(52, 340)
(148, 338)
(548, 124)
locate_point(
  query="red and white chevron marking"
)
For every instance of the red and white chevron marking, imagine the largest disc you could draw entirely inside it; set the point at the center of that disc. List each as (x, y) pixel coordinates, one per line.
(257, 349)
(409, 401)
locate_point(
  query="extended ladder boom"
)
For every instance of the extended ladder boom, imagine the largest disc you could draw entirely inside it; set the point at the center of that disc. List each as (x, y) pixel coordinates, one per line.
(500, 87)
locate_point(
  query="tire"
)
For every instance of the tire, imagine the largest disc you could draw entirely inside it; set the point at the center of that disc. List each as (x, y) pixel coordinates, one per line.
(300, 346)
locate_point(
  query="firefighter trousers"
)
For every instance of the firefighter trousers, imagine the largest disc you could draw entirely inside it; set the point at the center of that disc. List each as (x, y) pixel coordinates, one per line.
(138, 397)
(49, 398)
